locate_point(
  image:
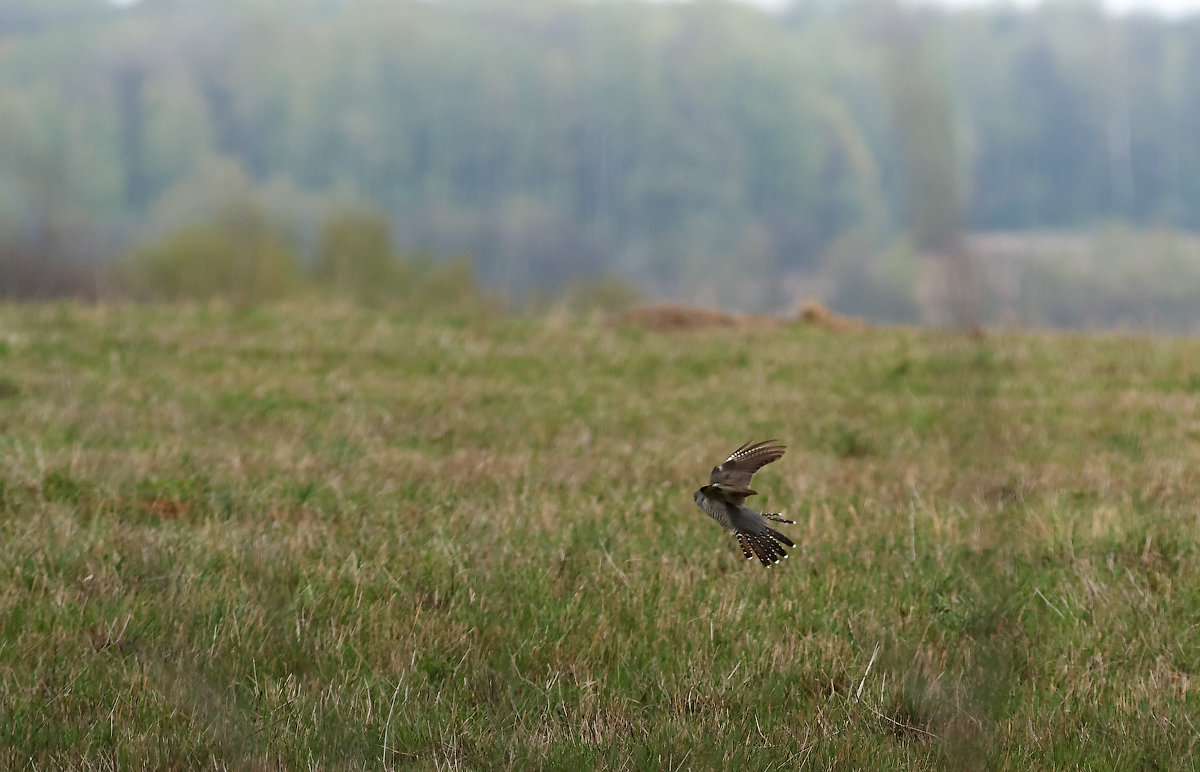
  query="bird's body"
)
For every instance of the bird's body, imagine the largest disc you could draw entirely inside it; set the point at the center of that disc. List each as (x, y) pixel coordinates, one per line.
(724, 500)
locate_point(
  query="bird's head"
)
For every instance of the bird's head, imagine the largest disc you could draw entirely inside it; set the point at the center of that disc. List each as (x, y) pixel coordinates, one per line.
(700, 496)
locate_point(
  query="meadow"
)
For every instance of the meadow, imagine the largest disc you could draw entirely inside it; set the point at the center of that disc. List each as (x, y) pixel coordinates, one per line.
(306, 537)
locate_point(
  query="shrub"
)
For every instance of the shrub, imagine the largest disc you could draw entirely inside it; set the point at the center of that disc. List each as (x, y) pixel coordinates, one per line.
(603, 294)
(442, 285)
(355, 258)
(241, 256)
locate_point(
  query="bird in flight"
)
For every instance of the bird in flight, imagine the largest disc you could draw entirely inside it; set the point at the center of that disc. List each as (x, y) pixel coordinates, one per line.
(724, 500)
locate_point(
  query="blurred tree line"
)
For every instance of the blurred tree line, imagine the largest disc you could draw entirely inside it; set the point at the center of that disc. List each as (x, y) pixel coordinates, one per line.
(707, 149)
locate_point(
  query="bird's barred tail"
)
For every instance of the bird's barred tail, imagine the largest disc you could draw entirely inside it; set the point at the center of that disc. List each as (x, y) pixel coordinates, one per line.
(778, 518)
(766, 546)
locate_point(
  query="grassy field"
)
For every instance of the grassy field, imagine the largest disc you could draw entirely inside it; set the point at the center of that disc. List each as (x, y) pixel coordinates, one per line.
(304, 538)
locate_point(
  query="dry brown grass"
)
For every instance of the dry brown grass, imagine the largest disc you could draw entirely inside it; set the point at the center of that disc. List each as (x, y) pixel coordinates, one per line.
(818, 314)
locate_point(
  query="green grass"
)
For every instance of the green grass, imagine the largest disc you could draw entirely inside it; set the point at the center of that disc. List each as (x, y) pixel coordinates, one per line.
(296, 538)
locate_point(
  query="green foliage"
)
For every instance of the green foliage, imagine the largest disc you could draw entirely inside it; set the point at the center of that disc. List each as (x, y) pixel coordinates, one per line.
(309, 537)
(924, 126)
(603, 294)
(444, 286)
(241, 257)
(355, 258)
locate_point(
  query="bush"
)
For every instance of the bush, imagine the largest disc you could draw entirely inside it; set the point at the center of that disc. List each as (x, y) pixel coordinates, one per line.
(597, 295)
(355, 258)
(241, 257)
(443, 285)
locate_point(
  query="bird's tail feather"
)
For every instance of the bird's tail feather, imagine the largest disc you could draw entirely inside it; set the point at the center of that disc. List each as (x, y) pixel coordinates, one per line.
(778, 518)
(766, 546)
(777, 536)
(763, 549)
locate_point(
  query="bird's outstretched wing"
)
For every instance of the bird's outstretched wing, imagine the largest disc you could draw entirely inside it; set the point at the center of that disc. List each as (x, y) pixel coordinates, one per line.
(734, 475)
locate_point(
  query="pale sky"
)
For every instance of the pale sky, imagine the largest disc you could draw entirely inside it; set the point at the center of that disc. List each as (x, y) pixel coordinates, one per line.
(1164, 7)
(1171, 8)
